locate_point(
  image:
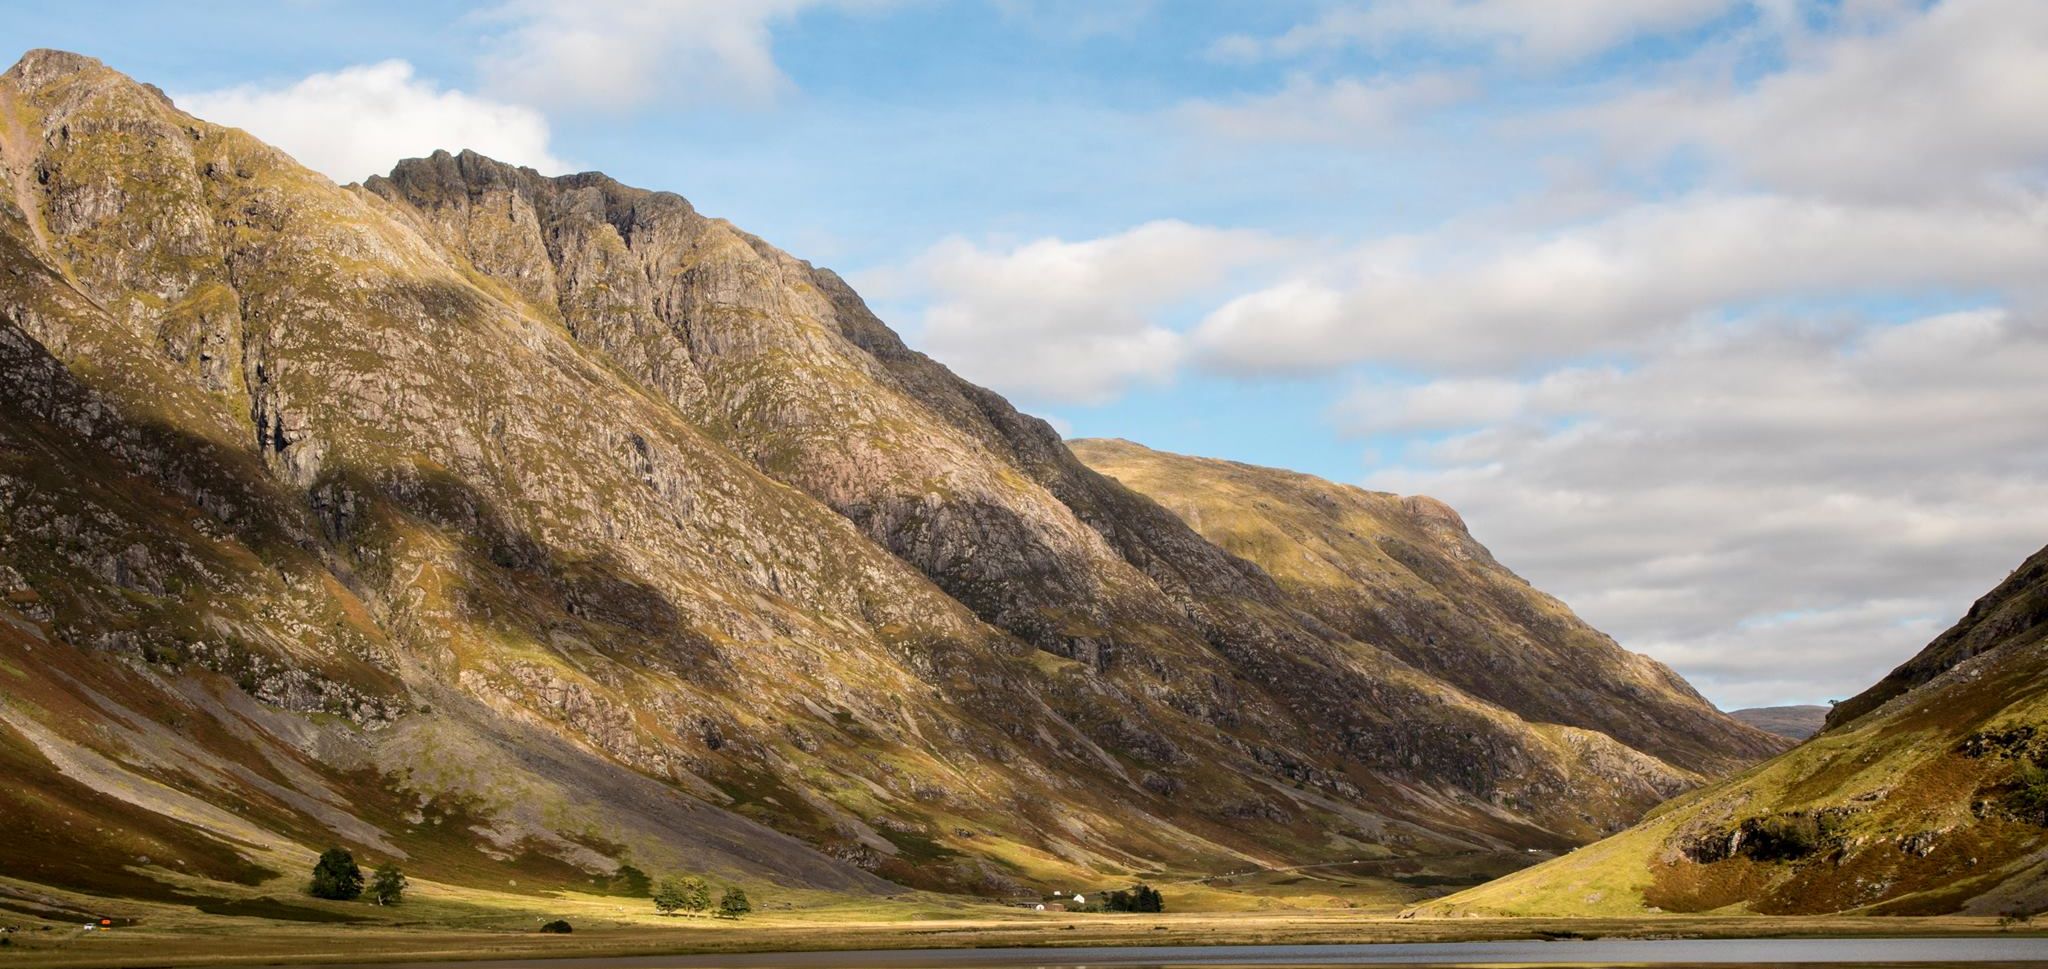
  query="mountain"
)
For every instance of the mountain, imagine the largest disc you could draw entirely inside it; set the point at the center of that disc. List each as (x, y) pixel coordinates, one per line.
(1405, 575)
(521, 528)
(1796, 722)
(1926, 794)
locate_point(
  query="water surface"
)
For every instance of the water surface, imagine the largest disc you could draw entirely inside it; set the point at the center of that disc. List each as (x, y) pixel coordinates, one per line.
(1981, 951)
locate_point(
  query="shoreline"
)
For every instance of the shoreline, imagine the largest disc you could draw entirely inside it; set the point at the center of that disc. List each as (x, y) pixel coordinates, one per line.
(794, 942)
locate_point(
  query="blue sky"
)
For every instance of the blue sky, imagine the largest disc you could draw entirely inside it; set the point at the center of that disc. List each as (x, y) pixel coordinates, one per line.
(1720, 319)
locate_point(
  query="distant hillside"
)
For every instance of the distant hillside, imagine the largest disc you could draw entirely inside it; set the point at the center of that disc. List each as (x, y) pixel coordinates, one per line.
(1932, 799)
(1404, 575)
(1797, 722)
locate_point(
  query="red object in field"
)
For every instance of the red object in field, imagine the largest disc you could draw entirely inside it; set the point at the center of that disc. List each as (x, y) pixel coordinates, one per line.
(106, 921)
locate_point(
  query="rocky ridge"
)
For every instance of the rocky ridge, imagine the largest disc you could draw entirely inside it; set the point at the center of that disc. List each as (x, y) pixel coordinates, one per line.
(496, 522)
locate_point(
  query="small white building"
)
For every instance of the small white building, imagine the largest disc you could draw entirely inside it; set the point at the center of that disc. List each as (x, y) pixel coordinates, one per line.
(1080, 899)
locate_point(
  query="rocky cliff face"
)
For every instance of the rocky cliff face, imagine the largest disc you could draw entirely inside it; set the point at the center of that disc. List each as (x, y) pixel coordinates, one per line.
(494, 521)
(1929, 795)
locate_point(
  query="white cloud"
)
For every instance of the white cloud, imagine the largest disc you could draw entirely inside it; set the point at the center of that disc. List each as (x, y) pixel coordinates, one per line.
(1053, 320)
(359, 121)
(1453, 299)
(1756, 482)
(618, 54)
(1938, 105)
(1532, 31)
(1781, 510)
(1448, 404)
(1345, 109)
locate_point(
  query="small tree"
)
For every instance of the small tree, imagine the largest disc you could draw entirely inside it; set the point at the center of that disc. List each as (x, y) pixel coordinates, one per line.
(336, 876)
(669, 896)
(682, 893)
(735, 903)
(388, 886)
(696, 894)
(1145, 898)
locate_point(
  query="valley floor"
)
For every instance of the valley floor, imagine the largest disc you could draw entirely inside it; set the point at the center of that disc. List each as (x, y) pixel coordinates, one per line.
(459, 925)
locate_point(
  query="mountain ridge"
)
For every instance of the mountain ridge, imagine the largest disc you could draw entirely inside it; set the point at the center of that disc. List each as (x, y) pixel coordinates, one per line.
(1797, 722)
(618, 535)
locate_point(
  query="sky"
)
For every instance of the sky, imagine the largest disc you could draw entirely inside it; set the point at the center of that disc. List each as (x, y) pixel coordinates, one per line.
(1721, 320)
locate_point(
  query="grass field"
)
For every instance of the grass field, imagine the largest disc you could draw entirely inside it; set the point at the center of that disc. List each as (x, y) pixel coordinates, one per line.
(443, 923)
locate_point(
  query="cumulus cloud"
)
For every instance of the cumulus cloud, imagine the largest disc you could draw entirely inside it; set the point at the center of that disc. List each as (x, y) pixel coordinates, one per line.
(1054, 320)
(1783, 510)
(619, 54)
(1930, 106)
(358, 121)
(1533, 31)
(1451, 299)
(1345, 109)
(1683, 399)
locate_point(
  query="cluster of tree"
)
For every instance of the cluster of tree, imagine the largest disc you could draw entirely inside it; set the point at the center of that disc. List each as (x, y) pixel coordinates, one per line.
(337, 876)
(688, 893)
(1142, 898)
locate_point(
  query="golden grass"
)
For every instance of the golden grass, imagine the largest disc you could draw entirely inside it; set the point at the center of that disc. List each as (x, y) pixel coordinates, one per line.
(456, 924)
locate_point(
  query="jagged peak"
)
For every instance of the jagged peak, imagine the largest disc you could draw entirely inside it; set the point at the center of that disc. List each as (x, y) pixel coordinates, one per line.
(44, 72)
(43, 65)
(445, 177)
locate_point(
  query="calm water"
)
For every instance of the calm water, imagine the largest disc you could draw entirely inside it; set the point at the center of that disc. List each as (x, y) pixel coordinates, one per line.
(1619, 952)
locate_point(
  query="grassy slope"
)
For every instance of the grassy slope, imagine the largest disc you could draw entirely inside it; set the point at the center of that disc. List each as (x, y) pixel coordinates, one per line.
(1910, 808)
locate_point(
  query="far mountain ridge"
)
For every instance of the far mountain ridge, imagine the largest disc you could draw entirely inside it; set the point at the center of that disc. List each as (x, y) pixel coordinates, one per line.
(1797, 722)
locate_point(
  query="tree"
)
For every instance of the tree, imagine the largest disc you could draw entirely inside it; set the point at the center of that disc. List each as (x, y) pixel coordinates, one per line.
(558, 927)
(1145, 898)
(696, 894)
(680, 893)
(388, 886)
(336, 876)
(668, 896)
(735, 903)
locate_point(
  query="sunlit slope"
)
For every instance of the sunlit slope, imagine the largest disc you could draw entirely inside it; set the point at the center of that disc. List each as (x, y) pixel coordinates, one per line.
(1932, 800)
